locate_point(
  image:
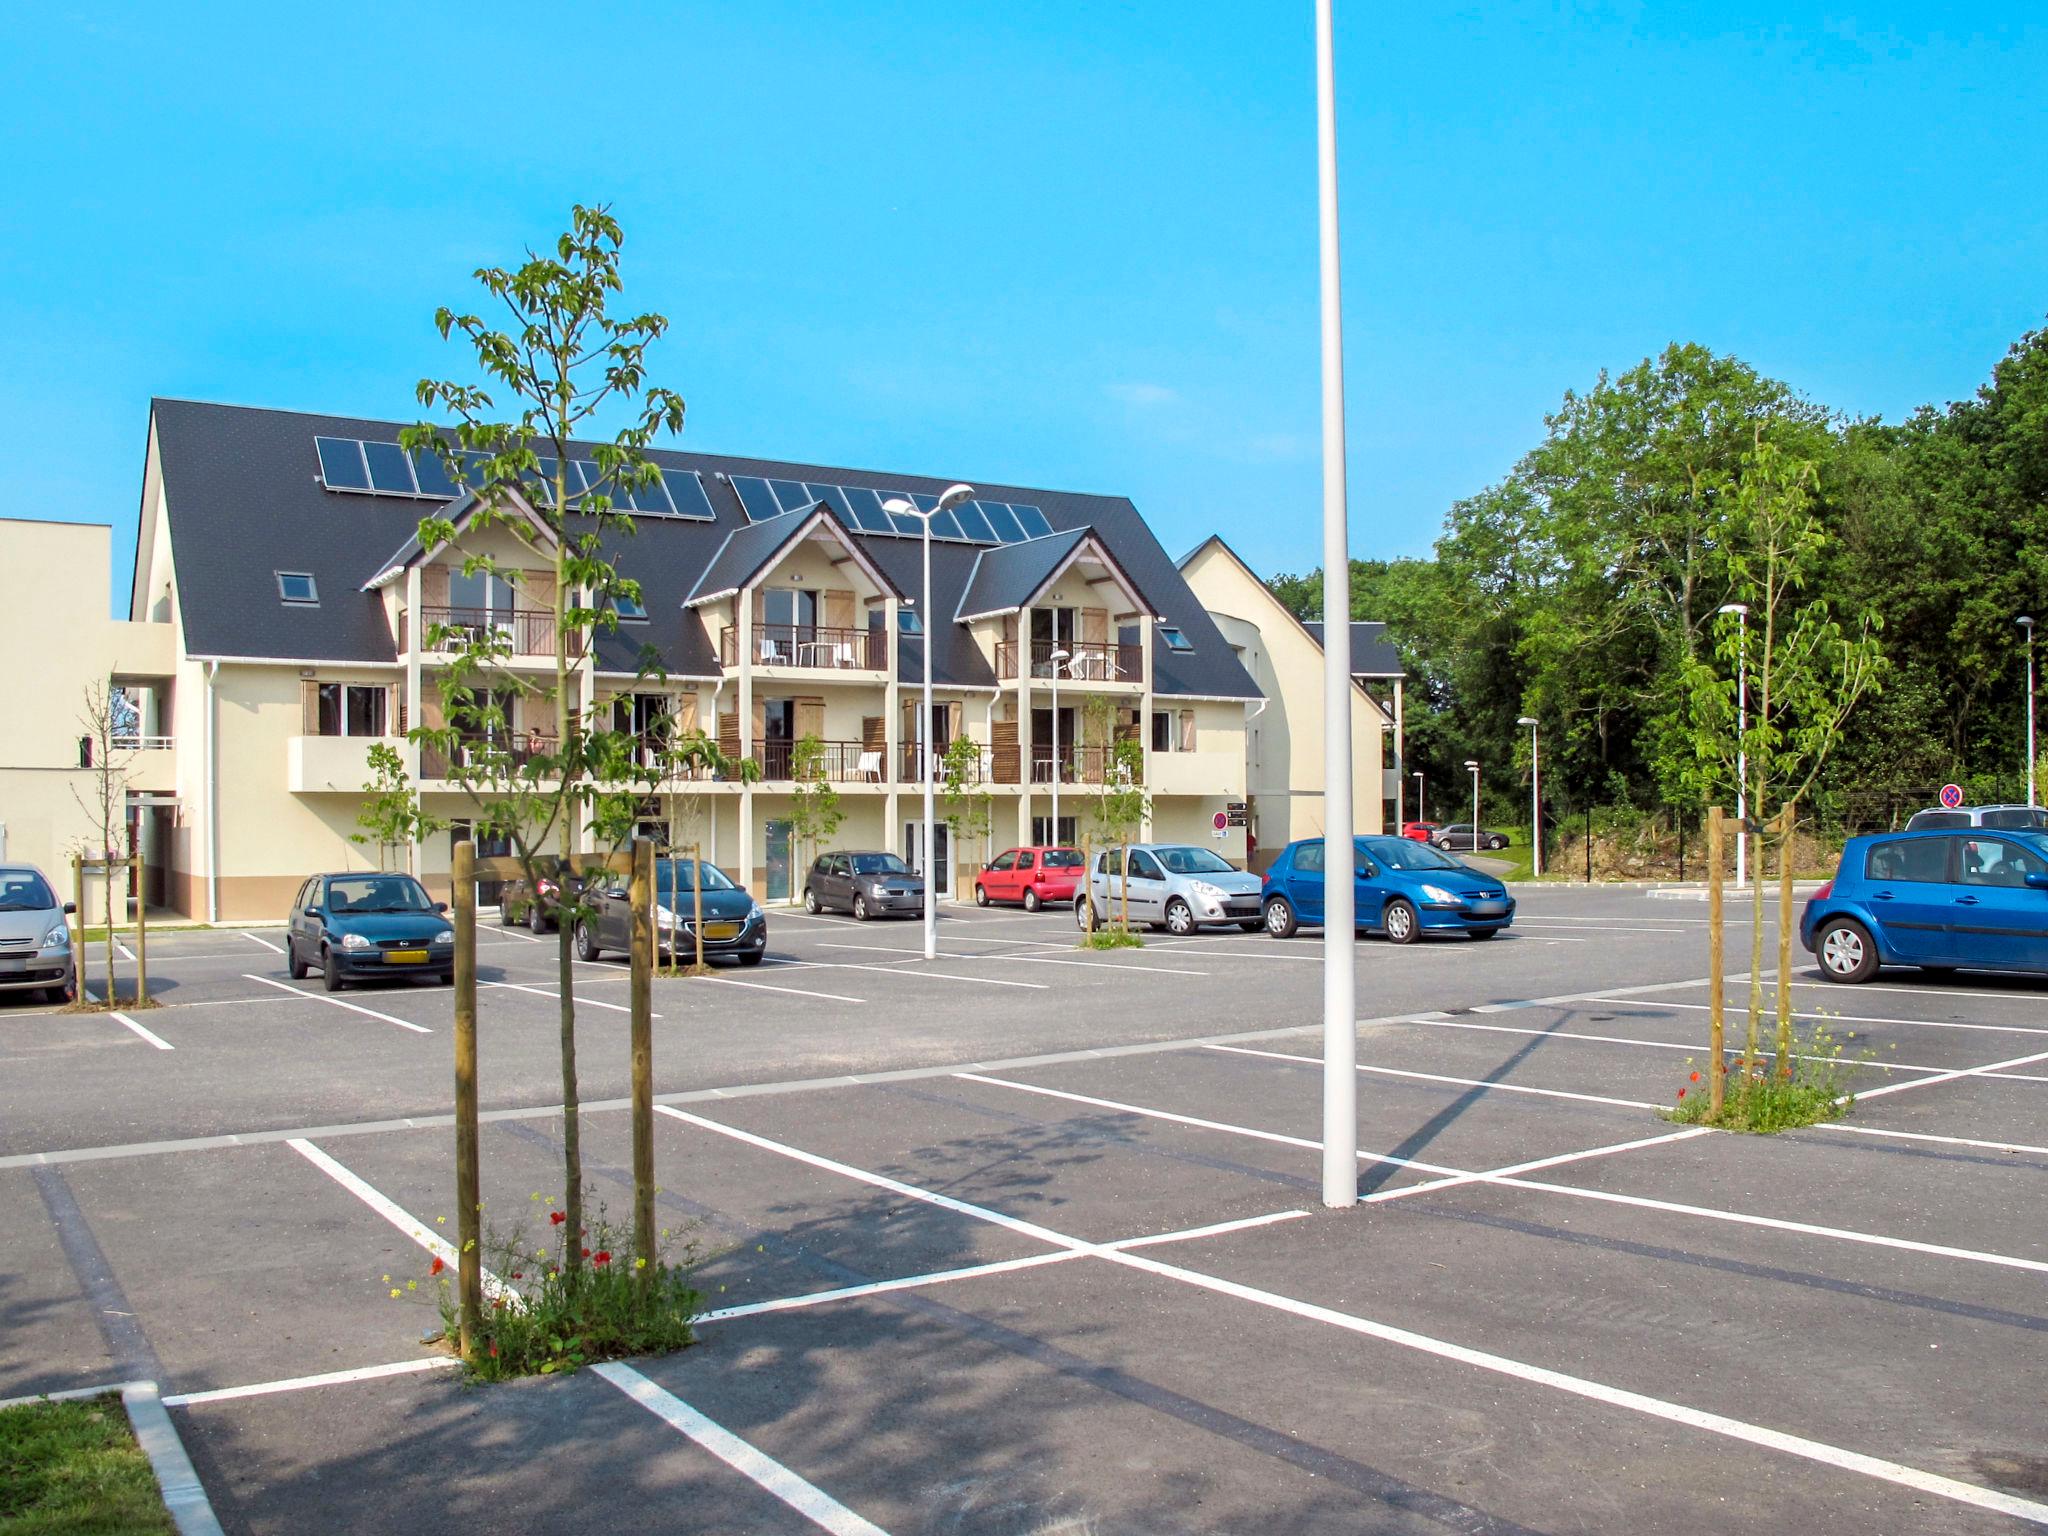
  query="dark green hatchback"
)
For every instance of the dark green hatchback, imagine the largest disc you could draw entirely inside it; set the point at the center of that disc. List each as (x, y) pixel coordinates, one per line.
(353, 927)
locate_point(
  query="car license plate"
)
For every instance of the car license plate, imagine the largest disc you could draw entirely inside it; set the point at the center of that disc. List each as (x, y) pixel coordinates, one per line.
(721, 930)
(1489, 908)
(404, 956)
(13, 963)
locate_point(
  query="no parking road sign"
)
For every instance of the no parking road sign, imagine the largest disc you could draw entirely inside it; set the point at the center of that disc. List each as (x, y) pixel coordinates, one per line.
(1951, 795)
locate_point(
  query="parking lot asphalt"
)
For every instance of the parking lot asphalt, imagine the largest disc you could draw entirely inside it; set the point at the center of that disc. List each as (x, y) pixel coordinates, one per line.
(1028, 1239)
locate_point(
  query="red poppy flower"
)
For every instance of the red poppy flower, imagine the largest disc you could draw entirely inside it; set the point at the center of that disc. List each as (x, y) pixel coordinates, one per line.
(586, 1253)
(437, 1267)
(1681, 1093)
(602, 1256)
(556, 1218)
(516, 1275)
(1695, 1077)
(494, 1351)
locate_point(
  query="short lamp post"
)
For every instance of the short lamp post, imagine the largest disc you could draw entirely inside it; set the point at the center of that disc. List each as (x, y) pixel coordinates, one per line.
(1420, 814)
(898, 504)
(1472, 764)
(1535, 799)
(2027, 623)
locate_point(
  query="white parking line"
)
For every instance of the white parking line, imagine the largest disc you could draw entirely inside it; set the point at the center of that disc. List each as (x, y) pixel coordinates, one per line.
(321, 997)
(301, 1383)
(581, 998)
(1858, 1018)
(883, 1287)
(1437, 1077)
(275, 949)
(978, 981)
(1989, 1069)
(759, 986)
(1820, 983)
(1654, 1045)
(155, 1040)
(1953, 1141)
(1659, 1408)
(1089, 965)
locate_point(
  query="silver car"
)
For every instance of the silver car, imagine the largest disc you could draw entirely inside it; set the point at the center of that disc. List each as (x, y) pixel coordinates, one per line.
(35, 941)
(1175, 886)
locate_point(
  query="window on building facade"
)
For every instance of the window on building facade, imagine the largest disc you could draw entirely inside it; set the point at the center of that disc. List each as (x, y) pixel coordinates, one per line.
(352, 709)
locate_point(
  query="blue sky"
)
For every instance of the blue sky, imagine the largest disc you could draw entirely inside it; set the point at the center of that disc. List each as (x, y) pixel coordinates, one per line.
(1056, 245)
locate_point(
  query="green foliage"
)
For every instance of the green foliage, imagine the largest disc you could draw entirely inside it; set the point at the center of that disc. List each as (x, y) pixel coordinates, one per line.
(814, 812)
(391, 817)
(74, 1467)
(1113, 936)
(1763, 1098)
(549, 1314)
(966, 803)
(1117, 809)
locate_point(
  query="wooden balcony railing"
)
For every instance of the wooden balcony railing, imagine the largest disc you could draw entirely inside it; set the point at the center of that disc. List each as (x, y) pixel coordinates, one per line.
(1086, 661)
(526, 634)
(808, 645)
(480, 753)
(1077, 765)
(837, 762)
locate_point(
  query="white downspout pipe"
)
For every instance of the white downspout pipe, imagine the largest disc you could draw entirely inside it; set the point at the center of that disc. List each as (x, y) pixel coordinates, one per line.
(212, 762)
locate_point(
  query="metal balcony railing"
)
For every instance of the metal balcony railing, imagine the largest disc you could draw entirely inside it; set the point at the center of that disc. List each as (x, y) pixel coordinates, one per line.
(911, 764)
(1086, 661)
(808, 645)
(1078, 765)
(836, 762)
(477, 754)
(526, 634)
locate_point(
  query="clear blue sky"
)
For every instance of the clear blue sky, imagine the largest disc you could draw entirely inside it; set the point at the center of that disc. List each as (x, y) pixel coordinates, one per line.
(1068, 245)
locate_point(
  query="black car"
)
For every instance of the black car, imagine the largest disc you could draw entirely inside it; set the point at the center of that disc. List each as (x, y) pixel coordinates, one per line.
(865, 884)
(515, 897)
(355, 926)
(1464, 835)
(734, 923)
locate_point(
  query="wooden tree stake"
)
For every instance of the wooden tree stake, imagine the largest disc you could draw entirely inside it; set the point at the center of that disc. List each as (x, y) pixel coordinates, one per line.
(1717, 1065)
(468, 1191)
(642, 1028)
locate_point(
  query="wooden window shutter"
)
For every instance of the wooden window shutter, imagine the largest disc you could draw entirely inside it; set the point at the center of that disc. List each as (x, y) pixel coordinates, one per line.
(686, 713)
(956, 720)
(838, 609)
(729, 732)
(810, 718)
(1187, 730)
(394, 709)
(874, 735)
(911, 733)
(433, 717)
(1095, 626)
(1009, 629)
(433, 588)
(760, 719)
(309, 707)
(535, 592)
(1004, 754)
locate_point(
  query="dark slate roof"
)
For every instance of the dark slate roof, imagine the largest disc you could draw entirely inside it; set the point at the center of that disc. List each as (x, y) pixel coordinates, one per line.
(245, 503)
(1008, 575)
(746, 550)
(1372, 653)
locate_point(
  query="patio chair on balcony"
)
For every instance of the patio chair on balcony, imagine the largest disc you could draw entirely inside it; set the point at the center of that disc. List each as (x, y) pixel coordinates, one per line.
(770, 652)
(869, 767)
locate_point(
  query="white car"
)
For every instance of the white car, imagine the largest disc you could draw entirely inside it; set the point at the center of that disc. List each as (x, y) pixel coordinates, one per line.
(1175, 886)
(35, 941)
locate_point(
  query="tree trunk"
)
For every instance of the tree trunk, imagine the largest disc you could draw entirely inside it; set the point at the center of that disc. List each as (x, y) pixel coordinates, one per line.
(1787, 822)
(565, 843)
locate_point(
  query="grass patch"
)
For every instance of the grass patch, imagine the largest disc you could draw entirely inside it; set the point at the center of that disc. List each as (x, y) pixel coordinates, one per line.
(549, 1318)
(1111, 938)
(74, 1468)
(1761, 1098)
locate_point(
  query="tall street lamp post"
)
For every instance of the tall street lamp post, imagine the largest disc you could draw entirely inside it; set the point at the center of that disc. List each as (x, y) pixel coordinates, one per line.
(953, 497)
(1420, 814)
(2027, 623)
(1053, 832)
(1473, 765)
(1741, 612)
(1535, 799)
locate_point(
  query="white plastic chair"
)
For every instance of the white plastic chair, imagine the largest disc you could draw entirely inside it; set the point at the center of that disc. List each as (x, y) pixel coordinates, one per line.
(870, 767)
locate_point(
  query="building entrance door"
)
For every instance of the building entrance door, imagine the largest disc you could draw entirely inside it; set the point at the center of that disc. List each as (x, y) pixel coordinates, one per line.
(775, 880)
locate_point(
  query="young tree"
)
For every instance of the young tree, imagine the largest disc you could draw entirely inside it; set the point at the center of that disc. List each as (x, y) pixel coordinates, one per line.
(565, 364)
(693, 758)
(110, 721)
(814, 812)
(1805, 671)
(392, 817)
(1118, 808)
(967, 802)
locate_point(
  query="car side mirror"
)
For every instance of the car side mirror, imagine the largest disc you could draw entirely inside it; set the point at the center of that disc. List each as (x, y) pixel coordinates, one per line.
(986, 868)
(2034, 882)
(441, 906)
(1368, 872)
(70, 907)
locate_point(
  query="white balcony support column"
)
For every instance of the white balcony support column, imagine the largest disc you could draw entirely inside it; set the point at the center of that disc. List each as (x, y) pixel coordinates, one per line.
(892, 725)
(743, 632)
(1145, 703)
(1022, 655)
(414, 626)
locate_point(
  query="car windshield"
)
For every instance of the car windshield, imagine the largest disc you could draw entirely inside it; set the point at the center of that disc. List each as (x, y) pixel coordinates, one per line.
(2016, 816)
(1061, 858)
(377, 893)
(1406, 853)
(681, 875)
(23, 890)
(879, 864)
(1193, 861)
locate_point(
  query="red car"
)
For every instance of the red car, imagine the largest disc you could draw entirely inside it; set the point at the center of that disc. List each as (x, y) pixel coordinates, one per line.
(1419, 831)
(1034, 876)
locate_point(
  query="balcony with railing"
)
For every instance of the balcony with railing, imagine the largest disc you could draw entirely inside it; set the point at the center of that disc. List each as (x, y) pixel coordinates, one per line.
(979, 770)
(1086, 661)
(507, 752)
(1080, 765)
(831, 762)
(813, 646)
(521, 632)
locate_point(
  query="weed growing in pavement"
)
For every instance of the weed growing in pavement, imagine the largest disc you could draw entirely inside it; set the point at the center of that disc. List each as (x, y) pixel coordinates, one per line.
(1763, 1098)
(1111, 938)
(542, 1317)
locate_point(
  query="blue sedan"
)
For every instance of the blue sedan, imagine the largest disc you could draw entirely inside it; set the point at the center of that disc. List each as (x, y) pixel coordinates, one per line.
(1939, 900)
(1402, 888)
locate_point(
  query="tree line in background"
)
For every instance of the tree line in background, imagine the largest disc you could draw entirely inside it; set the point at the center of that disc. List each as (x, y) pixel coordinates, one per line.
(1586, 588)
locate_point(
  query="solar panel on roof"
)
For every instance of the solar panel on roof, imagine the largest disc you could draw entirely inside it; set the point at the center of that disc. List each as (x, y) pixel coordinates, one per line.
(432, 475)
(390, 469)
(999, 518)
(834, 497)
(973, 526)
(1031, 520)
(867, 510)
(790, 494)
(341, 464)
(686, 494)
(755, 498)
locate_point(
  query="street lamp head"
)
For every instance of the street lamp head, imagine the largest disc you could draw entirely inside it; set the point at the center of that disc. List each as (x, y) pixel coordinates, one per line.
(1473, 765)
(2026, 621)
(1741, 608)
(1059, 654)
(953, 496)
(1528, 720)
(903, 506)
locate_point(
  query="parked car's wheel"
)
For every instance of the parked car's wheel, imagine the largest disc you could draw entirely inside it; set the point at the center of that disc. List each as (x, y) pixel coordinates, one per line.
(1444, 843)
(1399, 922)
(810, 901)
(1496, 842)
(586, 941)
(1280, 919)
(59, 995)
(1180, 917)
(448, 980)
(292, 962)
(753, 959)
(1083, 918)
(536, 919)
(330, 971)
(860, 905)
(980, 894)
(508, 916)
(1846, 950)
(1031, 901)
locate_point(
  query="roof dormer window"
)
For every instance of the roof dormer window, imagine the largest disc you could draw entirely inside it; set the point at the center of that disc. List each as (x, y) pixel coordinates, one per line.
(1173, 639)
(297, 589)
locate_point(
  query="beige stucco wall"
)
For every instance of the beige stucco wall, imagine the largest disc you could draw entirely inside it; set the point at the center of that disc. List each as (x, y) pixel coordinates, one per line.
(1284, 742)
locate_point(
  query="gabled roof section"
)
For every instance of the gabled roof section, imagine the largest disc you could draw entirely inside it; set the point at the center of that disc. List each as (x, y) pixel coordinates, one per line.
(749, 553)
(1008, 576)
(1372, 653)
(462, 512)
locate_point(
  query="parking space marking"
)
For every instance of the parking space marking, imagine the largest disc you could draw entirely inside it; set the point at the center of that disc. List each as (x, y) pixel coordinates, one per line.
(1953, 1141)
(394, 1213)
(762, 986)
(156, 1040)
(1666, 1045)
(979, 981)
(808, 1500)
(1821, 983)
(1714, 1423)
(514, 986)
(1989, 1069)
(321, 997)
(1086, 965)
(302, 1383)
(1437, 1077)
(1536, 1165)
(275, 949)
(1858, 1018)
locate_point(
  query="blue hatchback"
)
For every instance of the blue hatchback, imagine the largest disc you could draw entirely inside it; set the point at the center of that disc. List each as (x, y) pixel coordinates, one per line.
(1403, 889)
(1940, 900)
